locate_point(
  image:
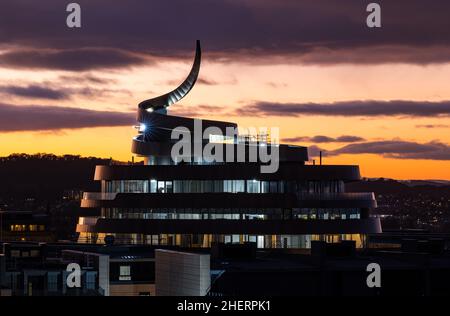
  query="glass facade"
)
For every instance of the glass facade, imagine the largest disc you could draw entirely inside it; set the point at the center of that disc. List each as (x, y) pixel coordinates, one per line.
(306, 189)
(220, 186)
(205, 240)
(233, 213)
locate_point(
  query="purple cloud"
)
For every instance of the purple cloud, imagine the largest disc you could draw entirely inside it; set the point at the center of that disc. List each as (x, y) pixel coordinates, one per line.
(250, 30)
(14, 118)
(325, 139)
(34, 91)
(350, 108)
(397, 149)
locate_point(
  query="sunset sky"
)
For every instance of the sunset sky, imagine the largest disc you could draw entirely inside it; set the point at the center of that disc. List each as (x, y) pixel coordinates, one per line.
(379, 98)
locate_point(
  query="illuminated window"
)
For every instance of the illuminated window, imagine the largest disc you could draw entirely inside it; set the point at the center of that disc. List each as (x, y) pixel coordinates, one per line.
(153, 186)
(125, 273)
(18, 228)
(161, 187)
(253, 186)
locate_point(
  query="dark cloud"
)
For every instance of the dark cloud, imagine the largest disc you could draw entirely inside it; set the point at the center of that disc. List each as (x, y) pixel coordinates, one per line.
(70, 59)
(349, 139)
(86, 79)
(321, 32)
(432, 126)
(34, 92)
(397, 149)
(314, 151)
(350, 108)
(15, 118)
(325, 139)
(58, 92)
(207, 82)
(204, 81)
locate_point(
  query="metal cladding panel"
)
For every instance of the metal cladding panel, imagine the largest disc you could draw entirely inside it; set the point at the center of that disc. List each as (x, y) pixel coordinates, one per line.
(228, 171)
(181, 273)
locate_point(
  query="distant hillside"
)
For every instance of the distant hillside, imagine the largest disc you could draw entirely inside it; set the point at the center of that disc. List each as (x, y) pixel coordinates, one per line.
(434, 183)
(46, 175)
(390, 186)
(380, 186)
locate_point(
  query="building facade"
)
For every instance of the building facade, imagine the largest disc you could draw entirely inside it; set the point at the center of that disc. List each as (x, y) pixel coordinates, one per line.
(216, 188)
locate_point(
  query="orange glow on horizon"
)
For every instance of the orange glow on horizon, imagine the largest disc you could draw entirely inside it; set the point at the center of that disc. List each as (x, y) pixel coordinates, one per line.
(238, 84)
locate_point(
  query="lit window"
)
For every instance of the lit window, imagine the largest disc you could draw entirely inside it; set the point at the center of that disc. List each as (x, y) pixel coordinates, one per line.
(125, 273)
(153, 186)
(161, 187)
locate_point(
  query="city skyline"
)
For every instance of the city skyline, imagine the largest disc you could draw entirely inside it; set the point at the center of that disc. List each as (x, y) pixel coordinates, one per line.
(379, 97)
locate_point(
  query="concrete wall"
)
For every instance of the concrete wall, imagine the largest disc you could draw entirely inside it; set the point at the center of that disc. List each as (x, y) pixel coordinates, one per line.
(182, 273)
(131, 289)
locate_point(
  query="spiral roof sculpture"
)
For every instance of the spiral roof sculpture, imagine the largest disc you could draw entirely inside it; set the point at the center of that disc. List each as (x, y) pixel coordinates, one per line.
(160, 103)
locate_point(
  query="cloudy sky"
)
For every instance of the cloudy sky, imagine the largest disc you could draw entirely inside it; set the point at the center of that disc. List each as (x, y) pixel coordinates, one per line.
(379, 98)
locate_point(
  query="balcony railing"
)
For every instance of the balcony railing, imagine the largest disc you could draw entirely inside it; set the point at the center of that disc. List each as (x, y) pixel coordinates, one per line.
(365, 196)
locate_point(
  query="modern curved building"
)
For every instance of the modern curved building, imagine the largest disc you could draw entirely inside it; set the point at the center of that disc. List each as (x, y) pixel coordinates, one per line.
(192, 199)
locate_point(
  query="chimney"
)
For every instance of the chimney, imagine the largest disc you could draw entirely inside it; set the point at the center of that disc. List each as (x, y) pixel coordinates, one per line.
(314, 162)
(320, 157)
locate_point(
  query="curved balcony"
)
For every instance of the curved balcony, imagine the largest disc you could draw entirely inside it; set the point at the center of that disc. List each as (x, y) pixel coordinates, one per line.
(219, 226)
(228, 171)
(228, 200)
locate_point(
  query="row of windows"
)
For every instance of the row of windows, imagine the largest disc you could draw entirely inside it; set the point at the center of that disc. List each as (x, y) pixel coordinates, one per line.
(232, 214)
(25, 228)
(230, 186)
(205, 240)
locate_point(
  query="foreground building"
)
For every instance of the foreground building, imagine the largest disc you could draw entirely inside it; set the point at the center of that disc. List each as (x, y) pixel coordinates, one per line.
(40, 269)
(191, 200)
(25, 226)
(411, 263)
